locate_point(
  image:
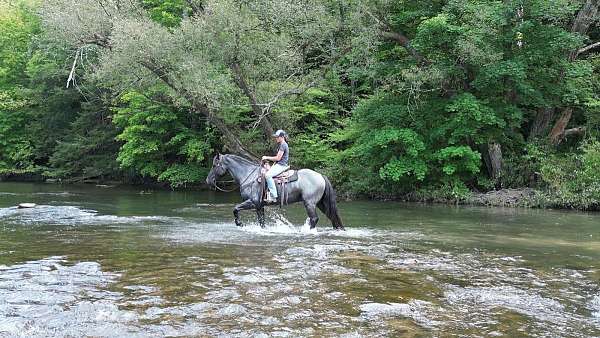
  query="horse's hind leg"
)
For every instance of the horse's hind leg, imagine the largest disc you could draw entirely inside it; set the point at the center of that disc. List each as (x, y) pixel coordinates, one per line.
(260, 215)
(311, 210)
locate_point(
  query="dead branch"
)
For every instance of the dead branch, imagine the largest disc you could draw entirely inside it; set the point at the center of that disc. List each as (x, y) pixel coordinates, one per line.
(588, 48)
(267, 108)
(574, 131)
(72, 73)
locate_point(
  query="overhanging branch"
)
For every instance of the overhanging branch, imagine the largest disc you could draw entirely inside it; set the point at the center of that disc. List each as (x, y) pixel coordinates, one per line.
(233, 142)
(388, 32)
(588, 48)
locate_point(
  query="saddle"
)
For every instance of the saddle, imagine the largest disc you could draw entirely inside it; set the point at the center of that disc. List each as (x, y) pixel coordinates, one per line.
(289, 175)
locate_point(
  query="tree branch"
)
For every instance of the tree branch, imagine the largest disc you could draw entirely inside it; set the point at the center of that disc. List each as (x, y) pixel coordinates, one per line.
(588, 48)
(574, 131)
(388, 32)
(71, 77)
(233, 141)
(267, 108)
(240, 81)
(97, 39)
(197, 8)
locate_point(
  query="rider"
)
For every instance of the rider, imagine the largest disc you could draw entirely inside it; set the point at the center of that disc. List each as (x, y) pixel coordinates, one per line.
(281, 164)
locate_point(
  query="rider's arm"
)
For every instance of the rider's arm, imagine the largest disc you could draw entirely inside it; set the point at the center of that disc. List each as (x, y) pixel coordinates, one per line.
(274, 158)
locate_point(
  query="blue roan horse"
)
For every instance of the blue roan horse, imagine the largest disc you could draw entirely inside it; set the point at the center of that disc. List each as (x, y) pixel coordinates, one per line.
(312, 188)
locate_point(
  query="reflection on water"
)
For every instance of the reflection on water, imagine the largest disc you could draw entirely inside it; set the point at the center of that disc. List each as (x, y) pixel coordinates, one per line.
(113, 262)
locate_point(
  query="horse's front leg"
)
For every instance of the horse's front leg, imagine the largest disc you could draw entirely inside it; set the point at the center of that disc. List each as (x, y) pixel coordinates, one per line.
(260, 215)
(247, 204)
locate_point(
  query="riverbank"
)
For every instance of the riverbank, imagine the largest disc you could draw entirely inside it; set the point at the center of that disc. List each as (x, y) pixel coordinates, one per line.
(513, 198)
(524, 197)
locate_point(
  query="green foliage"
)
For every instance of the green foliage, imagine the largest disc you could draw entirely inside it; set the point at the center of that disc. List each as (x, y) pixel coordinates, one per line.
(17, 26)
(488, 73)
(409, 149)
(379, 116)
(574, 180)
(471, 120)
(158, 139)
(89, 150)
(310, 118)
(168, 13)
(459, 161)
(452, 191)
(522, 169)
(15, 139)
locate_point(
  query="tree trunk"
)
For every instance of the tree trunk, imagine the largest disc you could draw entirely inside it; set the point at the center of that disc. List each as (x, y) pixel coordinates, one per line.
(495, 155)
(558, 131)
(239, 79)
(492, 158)
(541, 122)
(582, 23)
(585, 17)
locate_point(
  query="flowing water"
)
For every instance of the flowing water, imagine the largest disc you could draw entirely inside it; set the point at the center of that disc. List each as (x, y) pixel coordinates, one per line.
(124, 262)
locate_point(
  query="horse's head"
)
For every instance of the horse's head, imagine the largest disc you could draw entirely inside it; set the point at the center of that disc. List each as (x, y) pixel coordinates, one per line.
(218, 169)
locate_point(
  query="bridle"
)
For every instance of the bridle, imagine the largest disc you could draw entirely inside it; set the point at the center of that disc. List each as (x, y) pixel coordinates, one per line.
(240, 185)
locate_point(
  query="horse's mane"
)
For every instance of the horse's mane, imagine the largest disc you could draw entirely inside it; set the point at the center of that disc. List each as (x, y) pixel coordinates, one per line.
(243, 159)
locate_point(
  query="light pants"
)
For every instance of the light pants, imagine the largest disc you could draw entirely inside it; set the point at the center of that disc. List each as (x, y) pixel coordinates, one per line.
(275, 170)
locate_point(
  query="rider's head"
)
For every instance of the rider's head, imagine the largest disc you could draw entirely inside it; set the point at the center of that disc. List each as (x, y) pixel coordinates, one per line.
(280, 136)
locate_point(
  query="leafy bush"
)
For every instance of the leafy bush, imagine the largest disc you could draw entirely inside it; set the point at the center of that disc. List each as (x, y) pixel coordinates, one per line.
(402, 148)
(573, 180)
(160, 141)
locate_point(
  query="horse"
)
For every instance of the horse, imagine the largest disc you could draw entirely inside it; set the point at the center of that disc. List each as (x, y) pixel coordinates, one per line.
(312, 188)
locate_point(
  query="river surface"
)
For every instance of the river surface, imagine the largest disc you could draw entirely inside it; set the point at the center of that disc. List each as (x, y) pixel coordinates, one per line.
(128, 262)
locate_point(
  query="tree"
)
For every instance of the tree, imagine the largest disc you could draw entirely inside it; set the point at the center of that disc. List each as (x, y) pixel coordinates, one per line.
(227, 55)
(16, 28)
(587, 15)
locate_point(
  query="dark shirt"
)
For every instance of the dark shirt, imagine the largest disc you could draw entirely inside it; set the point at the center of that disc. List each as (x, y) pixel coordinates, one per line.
(283, 146)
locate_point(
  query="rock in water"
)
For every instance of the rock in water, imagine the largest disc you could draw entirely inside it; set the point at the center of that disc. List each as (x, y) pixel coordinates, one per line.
(27, 205)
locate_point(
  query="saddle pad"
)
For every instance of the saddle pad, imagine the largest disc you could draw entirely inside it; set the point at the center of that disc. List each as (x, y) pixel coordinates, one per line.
(287, 176)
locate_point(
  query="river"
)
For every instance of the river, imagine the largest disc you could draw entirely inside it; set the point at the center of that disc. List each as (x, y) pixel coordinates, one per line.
(125, 261)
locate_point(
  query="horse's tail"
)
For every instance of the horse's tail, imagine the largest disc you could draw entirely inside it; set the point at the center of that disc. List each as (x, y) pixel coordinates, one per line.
(328, 205)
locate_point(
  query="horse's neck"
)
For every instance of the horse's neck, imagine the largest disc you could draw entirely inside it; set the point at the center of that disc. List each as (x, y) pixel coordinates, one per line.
(240, 171)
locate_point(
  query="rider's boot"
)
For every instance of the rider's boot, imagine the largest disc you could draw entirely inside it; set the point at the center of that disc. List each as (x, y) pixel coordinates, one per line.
(271, 199)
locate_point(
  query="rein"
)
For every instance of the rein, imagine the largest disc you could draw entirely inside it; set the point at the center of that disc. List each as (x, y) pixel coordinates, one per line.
(240, 185)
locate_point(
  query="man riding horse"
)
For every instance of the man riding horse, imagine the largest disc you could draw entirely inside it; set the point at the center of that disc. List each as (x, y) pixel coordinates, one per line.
(306, 185)
(281, 164)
